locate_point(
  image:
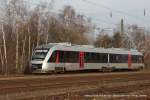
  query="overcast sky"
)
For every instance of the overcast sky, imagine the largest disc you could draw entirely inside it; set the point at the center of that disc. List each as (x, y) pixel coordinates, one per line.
(132, 11)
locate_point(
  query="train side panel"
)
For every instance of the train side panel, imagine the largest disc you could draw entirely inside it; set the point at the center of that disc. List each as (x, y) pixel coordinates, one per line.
(72, 58)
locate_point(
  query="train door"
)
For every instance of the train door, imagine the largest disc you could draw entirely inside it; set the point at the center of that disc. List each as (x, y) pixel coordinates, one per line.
(59, 66)
(57, 57)
(129, 61)
(81, 59)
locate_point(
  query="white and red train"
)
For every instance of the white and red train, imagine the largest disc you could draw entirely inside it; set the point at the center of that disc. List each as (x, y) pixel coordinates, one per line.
(61, 57)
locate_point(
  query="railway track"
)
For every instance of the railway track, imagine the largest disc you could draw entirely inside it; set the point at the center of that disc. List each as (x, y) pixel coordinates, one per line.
(50, 85)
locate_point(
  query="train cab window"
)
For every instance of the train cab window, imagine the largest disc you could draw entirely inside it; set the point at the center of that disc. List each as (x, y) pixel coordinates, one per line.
(39, 55)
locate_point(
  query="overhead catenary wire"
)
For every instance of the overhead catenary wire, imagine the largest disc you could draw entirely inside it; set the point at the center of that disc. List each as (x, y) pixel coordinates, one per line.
(96, 4)
(98, 19)
(116, 11)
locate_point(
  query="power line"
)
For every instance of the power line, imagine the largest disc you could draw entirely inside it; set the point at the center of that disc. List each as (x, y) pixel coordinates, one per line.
(33, 3)
(101, 20)
(38, 3)
(116, 11)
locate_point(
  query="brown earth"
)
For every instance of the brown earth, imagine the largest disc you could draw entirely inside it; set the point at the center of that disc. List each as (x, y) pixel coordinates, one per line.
(81, 86)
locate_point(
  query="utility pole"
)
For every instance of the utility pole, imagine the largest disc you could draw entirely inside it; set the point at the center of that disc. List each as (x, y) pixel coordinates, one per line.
(122, 32)
(122, 26)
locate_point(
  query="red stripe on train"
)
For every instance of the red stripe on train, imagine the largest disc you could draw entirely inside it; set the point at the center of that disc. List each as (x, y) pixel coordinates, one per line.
(57, 57)
(129, 61)
(81, 59)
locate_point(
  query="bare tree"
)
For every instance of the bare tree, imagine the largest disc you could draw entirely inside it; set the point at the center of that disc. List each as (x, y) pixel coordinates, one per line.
(5, 50)
(17, 51)
(23, 53)
(117, 40)
(26, 28)
(29, 45)
(2, 60)
(103, 41)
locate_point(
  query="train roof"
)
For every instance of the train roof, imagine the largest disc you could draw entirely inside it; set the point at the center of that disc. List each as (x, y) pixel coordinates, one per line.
(87, 48)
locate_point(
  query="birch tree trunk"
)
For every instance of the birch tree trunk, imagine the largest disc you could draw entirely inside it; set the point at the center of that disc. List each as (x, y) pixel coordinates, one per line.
(5, 50)
(39, 29)
(47, 36)
(2, 61)
(29, 44)
(23, 53)
(37, 39)
(17, 46)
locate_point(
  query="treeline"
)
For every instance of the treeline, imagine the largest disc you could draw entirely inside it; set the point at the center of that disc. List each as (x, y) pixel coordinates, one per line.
(23, 27)
(135, 38)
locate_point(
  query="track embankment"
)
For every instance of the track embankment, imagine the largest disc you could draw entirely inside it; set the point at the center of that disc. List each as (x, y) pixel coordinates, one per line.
(117, 85)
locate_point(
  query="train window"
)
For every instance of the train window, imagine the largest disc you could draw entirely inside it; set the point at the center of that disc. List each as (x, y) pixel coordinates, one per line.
(103, 58)
(64, 56)
(122, 58)
(86, 57)
(112, 58)
(96, 57)
(68, 56)
(53, 57)
(61, 56)
(73, 57)
(118, 58)
(125, 59)
(137, 59)
(93, 58)
(89, 57)
(134, 59)
(142, 59)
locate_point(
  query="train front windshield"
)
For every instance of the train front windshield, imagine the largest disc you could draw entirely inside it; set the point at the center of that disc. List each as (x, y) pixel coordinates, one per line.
(39, 55)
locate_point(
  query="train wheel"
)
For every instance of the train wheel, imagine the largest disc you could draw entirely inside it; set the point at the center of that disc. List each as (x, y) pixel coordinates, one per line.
(104, 69)
(63, 71)
(60, 70)
(113, 69)
(140, 68)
